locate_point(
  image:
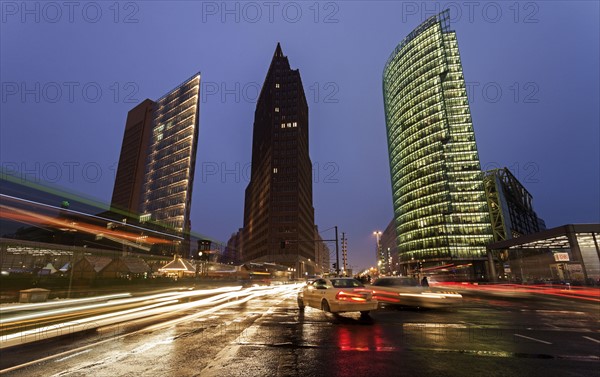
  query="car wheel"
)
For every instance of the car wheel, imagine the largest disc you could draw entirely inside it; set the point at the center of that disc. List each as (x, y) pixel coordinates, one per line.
(300, 303)
(325, 306)
(364, 313)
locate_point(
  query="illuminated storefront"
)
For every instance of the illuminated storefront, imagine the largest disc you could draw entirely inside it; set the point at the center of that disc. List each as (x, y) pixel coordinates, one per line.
(566, 254)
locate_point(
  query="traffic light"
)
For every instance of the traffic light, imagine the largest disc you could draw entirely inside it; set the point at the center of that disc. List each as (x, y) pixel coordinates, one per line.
(335, 266)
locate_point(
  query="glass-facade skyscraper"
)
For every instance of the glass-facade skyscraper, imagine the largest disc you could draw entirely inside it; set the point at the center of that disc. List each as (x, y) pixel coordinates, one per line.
(440, 209)
(171, 157)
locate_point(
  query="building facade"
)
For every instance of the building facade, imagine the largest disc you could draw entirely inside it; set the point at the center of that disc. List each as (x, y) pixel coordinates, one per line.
(322, 253)
(389, 249)
(232, 253)
(565, 254)
(127, 192)
(510, 206)
(440, 207)
(278, 211)
(169, 175)
(155, 174)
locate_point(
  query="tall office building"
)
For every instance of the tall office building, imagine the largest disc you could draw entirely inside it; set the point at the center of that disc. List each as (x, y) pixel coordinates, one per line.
(278, 211)
(127, 192)
(440, 207)
(156, 168)
(169, 177)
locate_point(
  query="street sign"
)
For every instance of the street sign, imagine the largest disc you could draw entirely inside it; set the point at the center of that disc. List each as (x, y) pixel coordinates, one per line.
(561, 257)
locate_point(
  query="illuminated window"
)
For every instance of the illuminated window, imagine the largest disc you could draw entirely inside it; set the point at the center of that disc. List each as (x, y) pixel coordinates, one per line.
(295, 124)
(277, 109)
(275, 170)
(277, 85)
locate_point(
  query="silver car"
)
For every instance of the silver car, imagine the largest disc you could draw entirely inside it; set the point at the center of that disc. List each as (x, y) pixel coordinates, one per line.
(337, 295)
(407, 291)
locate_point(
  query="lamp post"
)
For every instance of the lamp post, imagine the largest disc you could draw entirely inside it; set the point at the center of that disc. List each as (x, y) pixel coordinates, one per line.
(377, 234)
(72, 263)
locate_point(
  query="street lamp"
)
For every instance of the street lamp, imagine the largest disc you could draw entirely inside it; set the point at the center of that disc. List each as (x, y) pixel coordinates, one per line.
(377, 234)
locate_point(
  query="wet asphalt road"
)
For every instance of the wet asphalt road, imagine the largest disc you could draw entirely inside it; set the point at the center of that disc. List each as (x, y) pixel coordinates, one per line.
(491, 336)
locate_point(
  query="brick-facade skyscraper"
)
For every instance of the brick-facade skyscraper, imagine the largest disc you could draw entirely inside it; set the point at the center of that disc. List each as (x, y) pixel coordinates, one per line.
(278, 211)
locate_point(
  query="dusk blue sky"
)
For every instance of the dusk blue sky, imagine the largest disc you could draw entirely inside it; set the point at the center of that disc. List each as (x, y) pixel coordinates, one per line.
(544, 125)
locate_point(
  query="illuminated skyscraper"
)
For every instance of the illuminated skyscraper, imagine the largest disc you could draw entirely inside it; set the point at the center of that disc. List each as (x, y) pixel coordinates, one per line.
(155, 174)
(169, 177)
(278, 211)
(440, 207)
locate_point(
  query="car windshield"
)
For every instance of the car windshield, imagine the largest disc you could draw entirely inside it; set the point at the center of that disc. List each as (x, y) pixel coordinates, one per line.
(397, 282)
(346, 283)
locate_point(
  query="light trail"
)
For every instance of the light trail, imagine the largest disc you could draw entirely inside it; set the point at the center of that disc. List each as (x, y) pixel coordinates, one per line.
(249, 297)
(44, 305)
(225, 302)
(580, 293)
(160, 306)
(119, 302)
(38, 219)
(66, 328)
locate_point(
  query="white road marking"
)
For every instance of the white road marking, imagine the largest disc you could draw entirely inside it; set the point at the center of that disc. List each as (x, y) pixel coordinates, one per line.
(559, 312)
(592, 339)
(73, 355)
(534, 339)
(435, 325)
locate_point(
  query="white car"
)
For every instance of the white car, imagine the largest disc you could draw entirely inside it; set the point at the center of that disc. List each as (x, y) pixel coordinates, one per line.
(337, 295)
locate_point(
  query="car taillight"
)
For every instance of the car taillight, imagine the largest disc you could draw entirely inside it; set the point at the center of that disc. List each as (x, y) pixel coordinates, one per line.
(350, 296)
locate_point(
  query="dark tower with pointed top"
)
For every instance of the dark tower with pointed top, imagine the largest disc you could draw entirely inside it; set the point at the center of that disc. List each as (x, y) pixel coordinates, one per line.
(278, 211)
